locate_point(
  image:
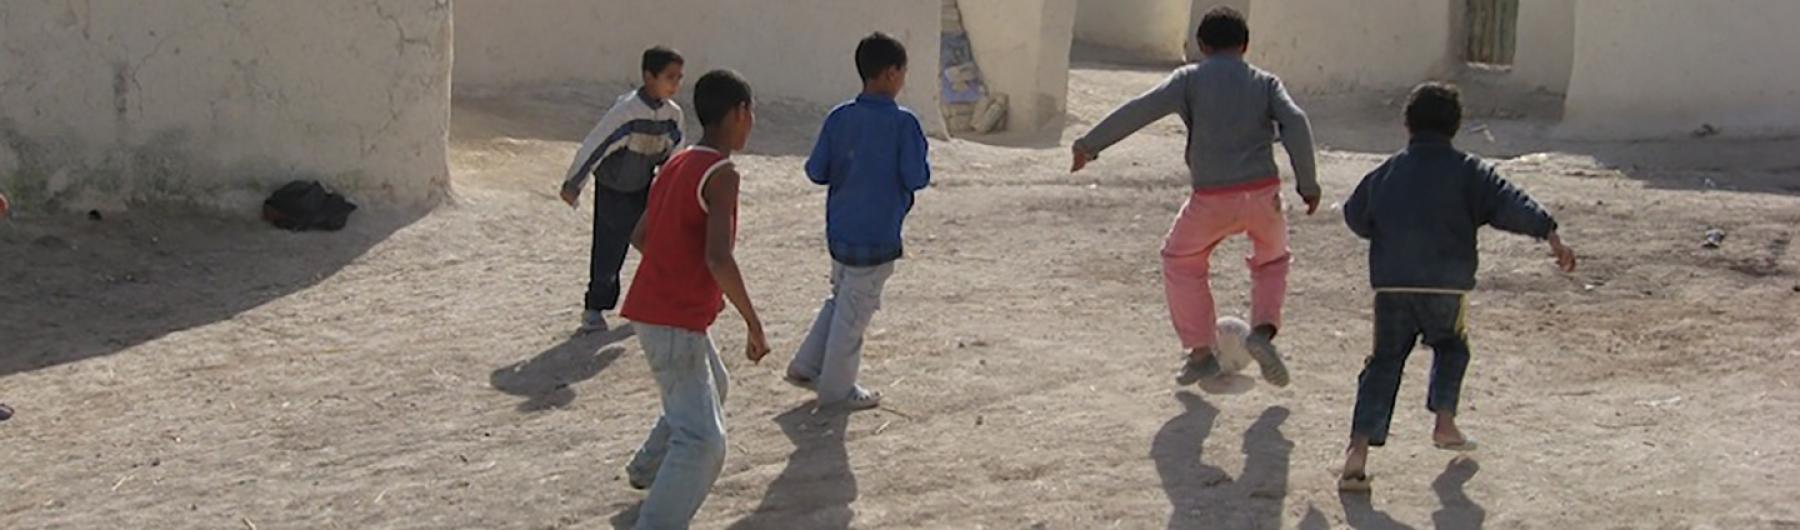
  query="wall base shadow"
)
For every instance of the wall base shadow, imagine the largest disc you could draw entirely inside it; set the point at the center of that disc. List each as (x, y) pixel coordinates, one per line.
(77, 288)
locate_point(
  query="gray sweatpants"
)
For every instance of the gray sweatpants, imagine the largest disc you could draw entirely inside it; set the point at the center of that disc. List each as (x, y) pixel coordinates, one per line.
(832, 353)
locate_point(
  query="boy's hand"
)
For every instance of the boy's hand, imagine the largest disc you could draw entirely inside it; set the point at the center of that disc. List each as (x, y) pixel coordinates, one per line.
(571, 197)
(5, 208)
(1312, 203)
(1082, 157)
(756, 345)
(1565, 256)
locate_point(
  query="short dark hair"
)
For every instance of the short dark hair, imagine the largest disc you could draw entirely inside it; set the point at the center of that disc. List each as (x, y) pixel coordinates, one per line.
(716, 93)
(1434, 108)
(1223, 28)
(658, 58)
(878, 52)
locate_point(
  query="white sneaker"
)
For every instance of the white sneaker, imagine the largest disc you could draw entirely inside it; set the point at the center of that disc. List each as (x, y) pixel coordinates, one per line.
(593, 320)
(860, 399)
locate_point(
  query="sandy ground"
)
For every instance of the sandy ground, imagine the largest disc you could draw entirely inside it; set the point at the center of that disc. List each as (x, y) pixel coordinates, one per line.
(418, 371)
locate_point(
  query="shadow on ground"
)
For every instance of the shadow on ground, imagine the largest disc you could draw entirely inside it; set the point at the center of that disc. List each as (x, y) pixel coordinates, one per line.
(545, 378)
(816, 488)
(1203, 496)
(76, 289)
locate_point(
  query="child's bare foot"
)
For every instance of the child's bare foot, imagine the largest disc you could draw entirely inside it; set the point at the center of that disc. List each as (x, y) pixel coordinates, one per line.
(1355, 477)
(1446, 436)
(1202, 363)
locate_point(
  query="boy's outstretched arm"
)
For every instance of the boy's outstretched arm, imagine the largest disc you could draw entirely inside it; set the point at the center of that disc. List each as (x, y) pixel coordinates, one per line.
(1508, 208)
(1296, 137)
(1165, 99)
(721, 194)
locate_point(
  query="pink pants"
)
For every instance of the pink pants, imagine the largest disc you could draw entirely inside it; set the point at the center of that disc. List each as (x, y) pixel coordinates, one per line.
(1206, 220)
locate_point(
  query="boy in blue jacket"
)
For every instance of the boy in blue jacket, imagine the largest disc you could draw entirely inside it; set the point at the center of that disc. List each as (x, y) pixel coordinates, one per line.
(1420, 211)
(871, 153)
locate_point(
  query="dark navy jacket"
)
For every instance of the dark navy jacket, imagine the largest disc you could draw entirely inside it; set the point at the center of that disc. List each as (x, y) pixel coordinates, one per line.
(1420, 211)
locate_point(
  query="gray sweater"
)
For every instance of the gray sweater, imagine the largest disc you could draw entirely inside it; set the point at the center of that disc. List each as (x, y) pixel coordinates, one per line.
(1231, 110)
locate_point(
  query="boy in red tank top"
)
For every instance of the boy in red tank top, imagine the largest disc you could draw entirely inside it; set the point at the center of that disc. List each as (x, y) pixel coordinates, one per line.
(686, 274)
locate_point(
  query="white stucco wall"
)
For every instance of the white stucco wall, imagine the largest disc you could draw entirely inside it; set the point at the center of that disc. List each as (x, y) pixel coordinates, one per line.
(1545, 48)
(1652, 69)
(1334, 45)
(800, 50)
(1022, 47)
(1151, 30)
(111, 104)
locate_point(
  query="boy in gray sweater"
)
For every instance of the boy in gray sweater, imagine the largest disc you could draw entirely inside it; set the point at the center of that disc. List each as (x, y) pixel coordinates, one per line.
(1232, 110)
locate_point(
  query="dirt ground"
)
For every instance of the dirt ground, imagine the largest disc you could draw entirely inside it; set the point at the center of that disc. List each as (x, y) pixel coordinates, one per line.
(419, 371)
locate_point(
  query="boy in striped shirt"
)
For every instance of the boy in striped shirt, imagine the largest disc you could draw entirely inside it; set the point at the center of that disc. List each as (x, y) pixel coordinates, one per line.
(622, 153)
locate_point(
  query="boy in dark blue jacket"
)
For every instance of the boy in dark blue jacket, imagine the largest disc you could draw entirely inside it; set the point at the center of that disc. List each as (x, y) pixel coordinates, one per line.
(871, 154)
(1420, 212)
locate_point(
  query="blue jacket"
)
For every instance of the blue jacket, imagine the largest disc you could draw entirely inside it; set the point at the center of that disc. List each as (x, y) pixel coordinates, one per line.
(1420, 211)
(871, 153)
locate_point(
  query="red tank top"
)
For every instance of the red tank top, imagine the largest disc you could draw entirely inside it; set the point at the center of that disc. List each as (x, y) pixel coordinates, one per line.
(673, 287)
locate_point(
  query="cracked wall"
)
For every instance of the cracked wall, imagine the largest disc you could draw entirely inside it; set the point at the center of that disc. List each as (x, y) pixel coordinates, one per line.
(111, 104)
(792, 49)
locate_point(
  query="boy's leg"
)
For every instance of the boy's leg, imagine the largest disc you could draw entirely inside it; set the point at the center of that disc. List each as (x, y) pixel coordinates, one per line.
(810, 359)
(641, 471)
(1268, 262)
(1396, 331)
(690, 376)
(1443, 319)
(615, 216)
(858, 296)
(1267, 227)
(1186, 254)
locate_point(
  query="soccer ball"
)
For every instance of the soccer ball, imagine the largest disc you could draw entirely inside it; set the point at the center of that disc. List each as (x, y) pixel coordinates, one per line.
(1233, 356)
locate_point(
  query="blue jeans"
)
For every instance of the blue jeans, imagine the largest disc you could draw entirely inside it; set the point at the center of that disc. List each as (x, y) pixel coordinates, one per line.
(832, 354)
(1401, 318)
(686, 449)
(616, 214)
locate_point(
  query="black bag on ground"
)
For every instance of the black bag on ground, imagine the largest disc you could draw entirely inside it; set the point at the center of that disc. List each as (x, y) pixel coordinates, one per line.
(306, 205)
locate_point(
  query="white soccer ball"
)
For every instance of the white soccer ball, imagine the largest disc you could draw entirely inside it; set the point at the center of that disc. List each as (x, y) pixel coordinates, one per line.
(1233, 356)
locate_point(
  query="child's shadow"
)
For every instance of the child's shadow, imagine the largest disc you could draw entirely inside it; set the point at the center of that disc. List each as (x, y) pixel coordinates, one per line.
(1456, 510)
(544, 379)
(817, 487)
(1202, 495)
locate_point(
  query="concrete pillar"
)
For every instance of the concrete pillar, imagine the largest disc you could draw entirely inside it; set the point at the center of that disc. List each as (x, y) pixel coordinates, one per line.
(1022, 47)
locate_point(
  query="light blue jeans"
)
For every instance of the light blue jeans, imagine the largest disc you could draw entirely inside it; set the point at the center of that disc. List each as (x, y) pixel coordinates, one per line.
(832, 352)
(686, 449)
